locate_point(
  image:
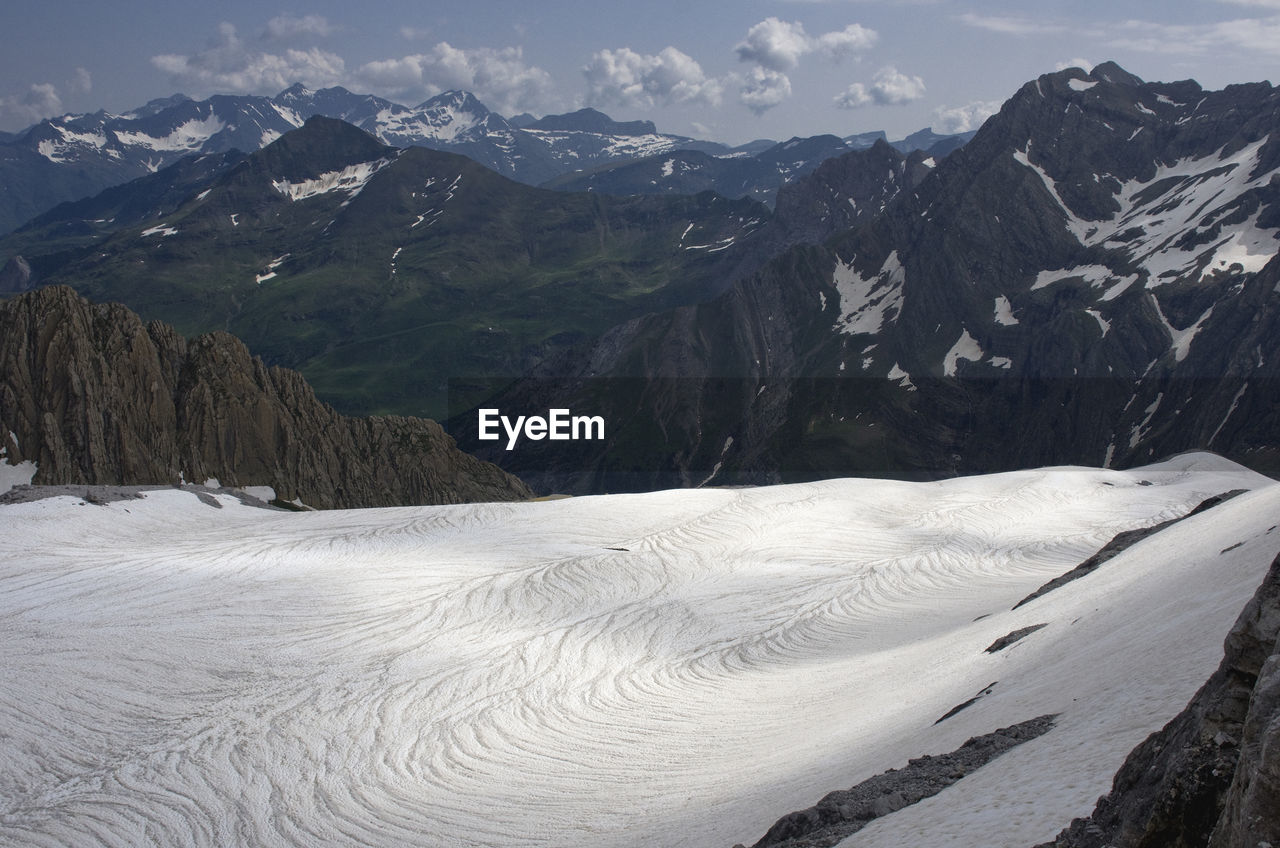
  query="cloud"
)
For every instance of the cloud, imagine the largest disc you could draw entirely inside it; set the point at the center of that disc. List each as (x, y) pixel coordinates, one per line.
(778, 45)
(762, 89)
(853, 97)
(958, 119)
(81, 82)
(628, 78)
(1009, 25)
(1083, 64)
(841, 43)
(291, 26)
(227, 65)
(40, 101)
(409, 33)
(1257, 35)
(775, 44)
(499, 77)
(889, 87)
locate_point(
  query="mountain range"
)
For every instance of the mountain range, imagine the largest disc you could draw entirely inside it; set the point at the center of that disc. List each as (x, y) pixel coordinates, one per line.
(1091, 279)
(72, 157)
(383, 272)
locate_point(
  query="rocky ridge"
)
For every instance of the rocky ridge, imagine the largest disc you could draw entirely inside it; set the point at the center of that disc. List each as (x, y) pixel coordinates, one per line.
(93, 395)
(1093, 279)
(1212, 775)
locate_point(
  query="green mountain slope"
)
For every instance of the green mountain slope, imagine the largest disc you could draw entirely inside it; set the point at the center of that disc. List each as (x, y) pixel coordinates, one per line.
(382, 273)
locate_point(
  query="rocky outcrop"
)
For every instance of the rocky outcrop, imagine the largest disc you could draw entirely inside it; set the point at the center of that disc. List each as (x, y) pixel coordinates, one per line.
(846, 811)
(93, 395)
(1212, 775)
(15, 276)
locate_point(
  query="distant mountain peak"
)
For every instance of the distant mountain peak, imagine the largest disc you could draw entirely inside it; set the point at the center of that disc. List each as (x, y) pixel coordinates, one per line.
(320, 145)
(1111, 72)
(456, 99)
(592, 120)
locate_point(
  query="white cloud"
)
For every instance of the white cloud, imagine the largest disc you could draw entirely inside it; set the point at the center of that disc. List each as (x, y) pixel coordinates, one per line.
(292, 26)
(845, 42)
(499, 77)
(775, 44)
(853, 97)
(81, 82)
(1010, 25)
(1257, 35)
(762, 89)
(227, 65)
(778, 45)
(958, 119)
(1083, 64)
(40, 101)
(629, 78)
(410, 33)
(889, 87)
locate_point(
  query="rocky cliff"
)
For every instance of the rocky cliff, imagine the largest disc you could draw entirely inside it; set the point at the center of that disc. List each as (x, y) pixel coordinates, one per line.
(1093, 279)
(1212, 775)
(93, 395)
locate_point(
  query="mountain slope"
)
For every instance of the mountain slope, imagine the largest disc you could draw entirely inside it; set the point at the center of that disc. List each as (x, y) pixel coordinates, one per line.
(1093, 278)
(759, 174)
(380, 273)
(91, 395)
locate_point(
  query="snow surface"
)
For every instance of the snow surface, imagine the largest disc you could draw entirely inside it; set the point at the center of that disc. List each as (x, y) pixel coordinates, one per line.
(1179, 339)
(1172, 225)
(867, 302)
(15, 475)
(351, 179)
(1004, 312)
(678, 668)
(58, 151)
(190, 135)
(1094, 275)
(902, 378)
(966, 347)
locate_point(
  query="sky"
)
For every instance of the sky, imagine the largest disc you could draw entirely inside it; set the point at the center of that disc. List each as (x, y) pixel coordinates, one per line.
(730, 71)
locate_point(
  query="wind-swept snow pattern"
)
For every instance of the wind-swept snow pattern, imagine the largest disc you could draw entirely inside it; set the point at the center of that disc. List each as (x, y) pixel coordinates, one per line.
(677, 668)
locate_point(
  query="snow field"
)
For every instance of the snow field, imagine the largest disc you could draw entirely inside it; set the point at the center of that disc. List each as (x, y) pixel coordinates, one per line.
(499, 675)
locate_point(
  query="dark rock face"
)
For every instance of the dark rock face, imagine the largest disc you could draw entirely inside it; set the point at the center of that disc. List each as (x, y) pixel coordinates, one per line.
(1212, 775)
(846, 811)
(92, 395)
(15, 276)
(1093, 279)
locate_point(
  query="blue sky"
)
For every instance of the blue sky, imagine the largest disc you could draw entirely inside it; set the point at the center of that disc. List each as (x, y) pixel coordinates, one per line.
(729, 71)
